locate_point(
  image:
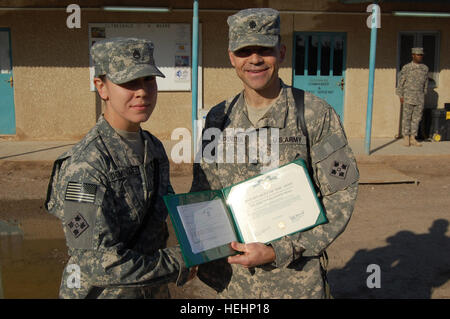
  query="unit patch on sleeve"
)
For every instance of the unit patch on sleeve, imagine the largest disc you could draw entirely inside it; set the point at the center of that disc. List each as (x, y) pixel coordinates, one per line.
(81, 192)
(339, 169)
(77, 225)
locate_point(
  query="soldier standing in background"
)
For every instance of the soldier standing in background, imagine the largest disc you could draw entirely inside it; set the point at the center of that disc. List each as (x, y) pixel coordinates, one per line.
(291, 266)
(411, 88)
(107, 190)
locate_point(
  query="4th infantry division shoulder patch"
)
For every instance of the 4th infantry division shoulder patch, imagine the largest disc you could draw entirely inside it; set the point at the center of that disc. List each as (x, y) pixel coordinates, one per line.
(81, 192)
(78, 225)
(339, 169)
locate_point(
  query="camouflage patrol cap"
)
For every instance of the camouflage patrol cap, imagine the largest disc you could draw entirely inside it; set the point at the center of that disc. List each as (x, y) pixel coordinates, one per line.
(417, 50)
(256, 26)
(124, 59)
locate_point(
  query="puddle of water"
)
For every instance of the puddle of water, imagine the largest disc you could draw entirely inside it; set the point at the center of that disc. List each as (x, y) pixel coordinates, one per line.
(31, 268)
(10, 228)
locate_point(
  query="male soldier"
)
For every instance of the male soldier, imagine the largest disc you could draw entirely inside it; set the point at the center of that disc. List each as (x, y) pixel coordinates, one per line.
(289, 267)
(107, 190)
(412, 87)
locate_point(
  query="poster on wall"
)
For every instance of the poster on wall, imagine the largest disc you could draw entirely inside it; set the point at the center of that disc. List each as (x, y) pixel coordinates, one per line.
(172, 42)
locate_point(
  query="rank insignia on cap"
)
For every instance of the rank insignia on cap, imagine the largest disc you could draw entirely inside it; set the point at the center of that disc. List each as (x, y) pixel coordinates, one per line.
(78, 225)
(81, 192)
(339, 170)
(136, 54)
(252, 24)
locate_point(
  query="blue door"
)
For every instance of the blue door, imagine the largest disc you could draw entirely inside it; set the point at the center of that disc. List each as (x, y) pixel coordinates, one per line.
(319, 66)
(7, 114)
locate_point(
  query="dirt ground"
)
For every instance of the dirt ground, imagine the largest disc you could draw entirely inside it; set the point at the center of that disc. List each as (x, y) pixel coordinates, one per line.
(401, 228)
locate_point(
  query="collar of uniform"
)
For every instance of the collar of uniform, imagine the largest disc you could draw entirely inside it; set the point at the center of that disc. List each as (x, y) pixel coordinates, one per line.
(276, 115)
(118, 149)
(416, 65)
(239, 114)
(153, 152)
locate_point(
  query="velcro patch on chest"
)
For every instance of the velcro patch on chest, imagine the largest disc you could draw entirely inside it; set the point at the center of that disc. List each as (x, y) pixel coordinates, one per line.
(123, 173)
(292, 140)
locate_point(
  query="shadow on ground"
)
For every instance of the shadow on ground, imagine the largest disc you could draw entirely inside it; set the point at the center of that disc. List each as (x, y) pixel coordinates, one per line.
(411, 265)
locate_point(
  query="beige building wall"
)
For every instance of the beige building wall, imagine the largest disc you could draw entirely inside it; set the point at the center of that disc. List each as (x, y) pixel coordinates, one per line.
(386, 105)
(51, 75)
(52, 94)
(50, 87)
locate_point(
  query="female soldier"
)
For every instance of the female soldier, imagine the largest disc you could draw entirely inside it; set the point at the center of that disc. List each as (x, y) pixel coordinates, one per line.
(107, 190)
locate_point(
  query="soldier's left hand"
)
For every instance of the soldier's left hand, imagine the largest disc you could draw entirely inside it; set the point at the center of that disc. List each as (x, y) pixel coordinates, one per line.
(253, 254)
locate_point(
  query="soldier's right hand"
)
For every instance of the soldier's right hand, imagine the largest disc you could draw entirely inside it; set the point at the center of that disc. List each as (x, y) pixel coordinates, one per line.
(402, 100)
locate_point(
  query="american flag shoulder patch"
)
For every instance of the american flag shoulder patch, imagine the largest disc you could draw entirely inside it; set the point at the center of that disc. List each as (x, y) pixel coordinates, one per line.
(81, 192)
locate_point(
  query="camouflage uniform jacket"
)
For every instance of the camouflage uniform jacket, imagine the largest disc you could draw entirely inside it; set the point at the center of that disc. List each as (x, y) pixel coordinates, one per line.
(296, 272)
(413, 83)
(100, 191)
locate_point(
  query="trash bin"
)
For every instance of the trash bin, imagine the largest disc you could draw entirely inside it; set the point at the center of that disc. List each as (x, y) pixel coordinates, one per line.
(447, 120)
(440, 124)
(424, 131)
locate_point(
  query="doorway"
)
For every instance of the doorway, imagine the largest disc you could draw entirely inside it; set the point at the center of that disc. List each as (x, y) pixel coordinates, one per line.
(7, 112)
(319, 66)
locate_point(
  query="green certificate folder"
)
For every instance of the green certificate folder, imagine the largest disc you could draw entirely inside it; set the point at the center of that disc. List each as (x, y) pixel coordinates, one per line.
(263, 209)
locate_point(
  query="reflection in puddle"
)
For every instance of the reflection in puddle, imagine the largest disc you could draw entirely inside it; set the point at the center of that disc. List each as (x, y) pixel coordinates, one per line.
(31, 268)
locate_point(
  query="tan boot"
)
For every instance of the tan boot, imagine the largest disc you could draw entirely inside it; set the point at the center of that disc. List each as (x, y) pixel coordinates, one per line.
(414, 142)
(406, 140)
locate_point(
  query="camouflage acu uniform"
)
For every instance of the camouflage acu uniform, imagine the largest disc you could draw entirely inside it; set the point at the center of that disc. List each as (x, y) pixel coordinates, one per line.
(100, 191)
(412, 86)
(296, 272)
(250, 27)
(124, 59)
(110, 201)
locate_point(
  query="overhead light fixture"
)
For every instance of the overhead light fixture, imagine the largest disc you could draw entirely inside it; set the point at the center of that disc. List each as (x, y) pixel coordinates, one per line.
(136, 9)
(421, 14)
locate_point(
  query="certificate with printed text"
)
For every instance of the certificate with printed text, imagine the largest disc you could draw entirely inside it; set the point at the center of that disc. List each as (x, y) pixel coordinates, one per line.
(263, 209)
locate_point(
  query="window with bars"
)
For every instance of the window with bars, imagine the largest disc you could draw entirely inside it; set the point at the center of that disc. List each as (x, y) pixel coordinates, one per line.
(319, 55)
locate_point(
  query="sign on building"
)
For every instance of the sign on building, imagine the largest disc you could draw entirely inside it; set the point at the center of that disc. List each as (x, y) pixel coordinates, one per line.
(172, 43)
